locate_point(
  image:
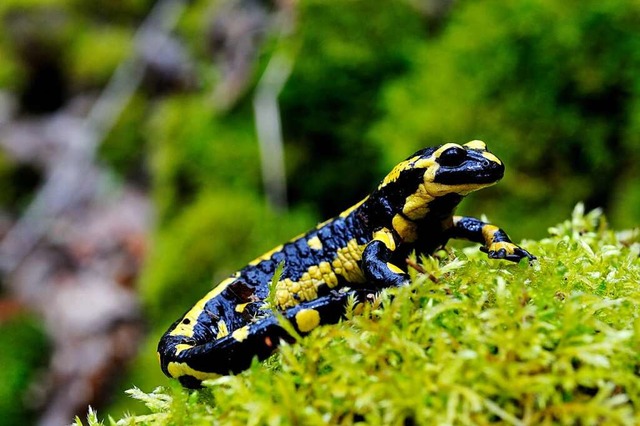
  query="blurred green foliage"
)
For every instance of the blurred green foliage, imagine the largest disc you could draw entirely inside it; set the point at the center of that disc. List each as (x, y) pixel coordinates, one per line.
(193, 150)
(342, 62)
(107, 46)
(23, 356)
(125, 149)
(552, 87)
(19, 182)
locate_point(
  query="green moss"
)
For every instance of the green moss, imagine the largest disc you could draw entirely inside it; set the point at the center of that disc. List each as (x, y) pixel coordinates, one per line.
(471, 341)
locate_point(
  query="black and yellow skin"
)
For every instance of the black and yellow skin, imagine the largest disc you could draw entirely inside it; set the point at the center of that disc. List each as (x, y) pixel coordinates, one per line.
(352, 256)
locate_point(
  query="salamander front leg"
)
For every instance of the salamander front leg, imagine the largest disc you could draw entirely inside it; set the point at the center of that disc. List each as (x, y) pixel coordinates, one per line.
(495, 241)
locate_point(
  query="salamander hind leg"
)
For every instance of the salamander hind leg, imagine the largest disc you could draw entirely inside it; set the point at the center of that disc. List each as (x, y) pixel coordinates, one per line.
(191, 359)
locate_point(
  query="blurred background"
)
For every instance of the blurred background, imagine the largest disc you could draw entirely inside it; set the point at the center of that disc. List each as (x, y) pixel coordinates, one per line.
(150, 148)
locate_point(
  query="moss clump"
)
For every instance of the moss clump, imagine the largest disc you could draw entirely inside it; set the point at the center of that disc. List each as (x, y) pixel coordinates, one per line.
(471, 341)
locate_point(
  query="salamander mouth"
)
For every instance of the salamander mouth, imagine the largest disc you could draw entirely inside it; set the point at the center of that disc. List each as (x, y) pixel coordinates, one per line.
(470, 175)
(489, 176)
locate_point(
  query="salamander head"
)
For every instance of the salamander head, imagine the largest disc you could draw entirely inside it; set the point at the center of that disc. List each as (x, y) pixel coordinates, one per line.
(431, 183)
(446, 169)
(465, 168)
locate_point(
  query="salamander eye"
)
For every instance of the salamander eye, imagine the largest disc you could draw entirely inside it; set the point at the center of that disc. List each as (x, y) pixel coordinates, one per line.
(453, 156)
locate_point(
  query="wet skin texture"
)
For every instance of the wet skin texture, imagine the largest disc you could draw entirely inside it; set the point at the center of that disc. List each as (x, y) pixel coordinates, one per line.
(347, 258)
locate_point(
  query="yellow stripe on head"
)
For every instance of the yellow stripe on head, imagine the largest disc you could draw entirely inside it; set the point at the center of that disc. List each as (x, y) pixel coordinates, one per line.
(445, 147)
(489, 156)
(476, 144)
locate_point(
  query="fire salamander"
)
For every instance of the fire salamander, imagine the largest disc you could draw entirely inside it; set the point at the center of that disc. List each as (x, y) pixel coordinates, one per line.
(349, 257)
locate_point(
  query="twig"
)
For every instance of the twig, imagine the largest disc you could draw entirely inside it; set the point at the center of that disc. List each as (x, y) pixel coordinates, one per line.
(269, 129)
(267, 112)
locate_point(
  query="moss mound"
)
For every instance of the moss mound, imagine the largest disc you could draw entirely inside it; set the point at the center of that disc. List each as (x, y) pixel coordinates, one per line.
(471, 341)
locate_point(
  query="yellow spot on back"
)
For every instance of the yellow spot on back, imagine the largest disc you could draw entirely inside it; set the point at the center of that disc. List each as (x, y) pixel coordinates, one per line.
(307, 320)
(241, 307)
(315, 243)
(179, 369)
(222, 329)
(241, 333)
